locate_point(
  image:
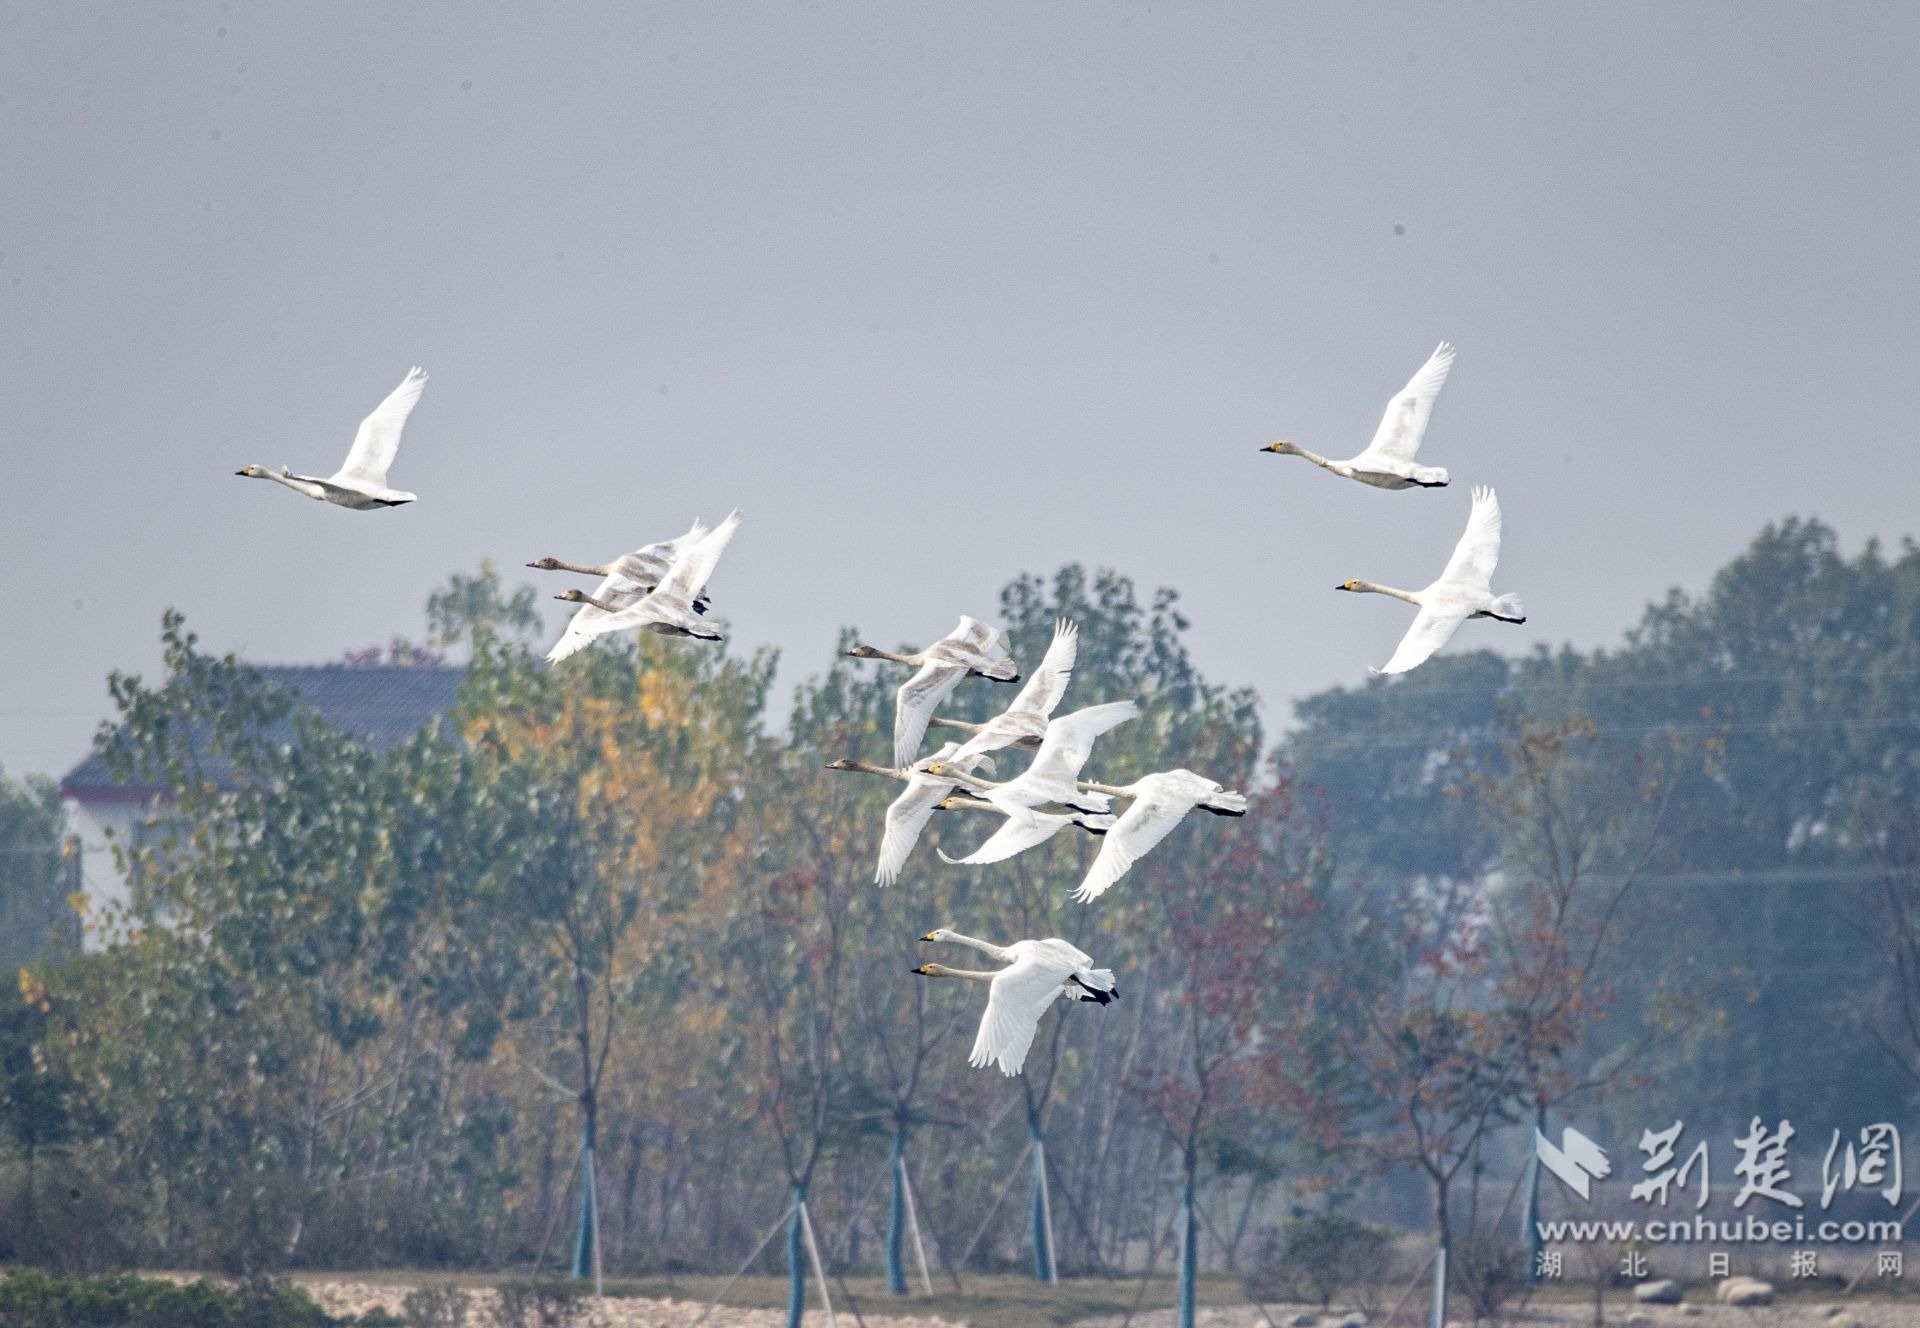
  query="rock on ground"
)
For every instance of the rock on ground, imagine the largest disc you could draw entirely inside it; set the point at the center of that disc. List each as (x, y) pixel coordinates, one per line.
(1745, 1291)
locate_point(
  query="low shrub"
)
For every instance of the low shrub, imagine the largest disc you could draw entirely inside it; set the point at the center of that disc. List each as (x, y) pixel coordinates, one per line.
(537, 1304)
(1322, 1257)
(30, 1298)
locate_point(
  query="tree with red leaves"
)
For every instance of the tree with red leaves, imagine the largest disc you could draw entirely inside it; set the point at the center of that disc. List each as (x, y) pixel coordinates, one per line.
(1466, 994)
(1226, 944)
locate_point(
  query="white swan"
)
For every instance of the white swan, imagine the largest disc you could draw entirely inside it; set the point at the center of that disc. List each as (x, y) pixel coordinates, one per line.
(1388, 461)
(1464, 590)
(971, 648)
(1160, 802)
(668, 609)
(625, 581)
(1024, 723)
(1050, 782)
(361, 483)
(1038, 974)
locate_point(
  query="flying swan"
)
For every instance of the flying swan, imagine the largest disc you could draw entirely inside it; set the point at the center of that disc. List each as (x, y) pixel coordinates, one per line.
(1464, 590)
(1038, 973)
(971, 648)
(361, 483)
(1388, 461)
(625, 581)
(668, 608)
(1160, 802)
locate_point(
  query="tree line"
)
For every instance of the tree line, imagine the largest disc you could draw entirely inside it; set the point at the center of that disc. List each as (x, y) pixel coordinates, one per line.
(385, 1007)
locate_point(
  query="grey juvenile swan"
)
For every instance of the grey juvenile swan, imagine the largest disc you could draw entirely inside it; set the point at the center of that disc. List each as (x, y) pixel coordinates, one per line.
(971, 648)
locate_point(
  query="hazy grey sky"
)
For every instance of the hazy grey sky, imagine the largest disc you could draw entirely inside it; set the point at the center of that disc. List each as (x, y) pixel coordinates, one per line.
(809, 259)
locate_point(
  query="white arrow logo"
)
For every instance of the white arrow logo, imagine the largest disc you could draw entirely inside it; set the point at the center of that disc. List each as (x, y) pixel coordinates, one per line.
(1576, 1162)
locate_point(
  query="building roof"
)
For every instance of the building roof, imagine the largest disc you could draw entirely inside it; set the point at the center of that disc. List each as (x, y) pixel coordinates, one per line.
(380, 704)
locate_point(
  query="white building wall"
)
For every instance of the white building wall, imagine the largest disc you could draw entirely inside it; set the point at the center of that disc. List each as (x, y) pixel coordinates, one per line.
(106, 888)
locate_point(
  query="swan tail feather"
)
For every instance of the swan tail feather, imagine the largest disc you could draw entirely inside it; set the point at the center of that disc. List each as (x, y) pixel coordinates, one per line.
(1227, 802)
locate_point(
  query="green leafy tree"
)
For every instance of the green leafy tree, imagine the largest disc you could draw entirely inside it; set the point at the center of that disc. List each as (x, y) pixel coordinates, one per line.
(38, 873)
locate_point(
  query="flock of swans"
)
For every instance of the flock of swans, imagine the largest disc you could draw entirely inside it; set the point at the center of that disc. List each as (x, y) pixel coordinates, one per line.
(662, 587)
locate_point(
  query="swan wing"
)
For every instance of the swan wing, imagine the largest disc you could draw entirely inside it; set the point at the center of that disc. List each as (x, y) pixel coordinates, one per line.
(1037, 698)
(1432, 628)
(1064, 952)
(983, 637)
(1012, 837)
(1161, 805)
(1405, 422)
(673, 548)
(1069, 742)
(1478, 551)
(571, 642)
(651, 562)
(1016, 998)
(996, 733)
(378, 440)
(907, 816)
(914, 705)
(582, 630)
(1042, 692)
(694, 565)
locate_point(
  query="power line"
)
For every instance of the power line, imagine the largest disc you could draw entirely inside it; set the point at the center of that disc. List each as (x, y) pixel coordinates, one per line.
(1348, 738)
(1510, 686)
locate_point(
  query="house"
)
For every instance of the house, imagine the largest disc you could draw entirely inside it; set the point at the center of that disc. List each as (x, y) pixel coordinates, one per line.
(381, 704)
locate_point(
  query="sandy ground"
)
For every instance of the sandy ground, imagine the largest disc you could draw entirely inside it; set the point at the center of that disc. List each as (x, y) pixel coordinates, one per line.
(357, 1298)
(1792, 1313)
(1699, 1311)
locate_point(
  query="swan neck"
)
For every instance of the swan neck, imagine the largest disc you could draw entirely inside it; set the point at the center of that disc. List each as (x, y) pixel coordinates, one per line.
(984, 947)
(866, 768)
(1370, 588)
(962, 725)
(1111, 790)
(562, 565)
(972, 975)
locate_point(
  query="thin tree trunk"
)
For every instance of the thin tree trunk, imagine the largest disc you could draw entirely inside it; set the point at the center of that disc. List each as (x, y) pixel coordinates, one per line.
(897, 1211)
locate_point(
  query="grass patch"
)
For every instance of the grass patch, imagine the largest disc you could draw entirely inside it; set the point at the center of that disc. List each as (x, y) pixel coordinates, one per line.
(30, 1298)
